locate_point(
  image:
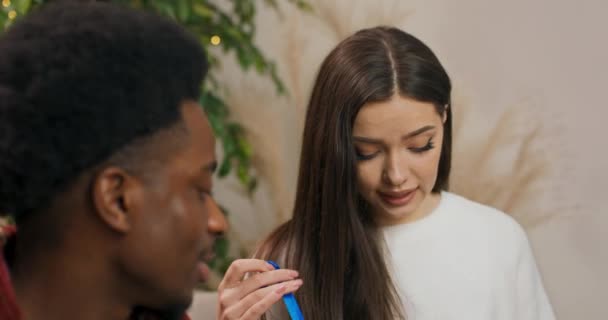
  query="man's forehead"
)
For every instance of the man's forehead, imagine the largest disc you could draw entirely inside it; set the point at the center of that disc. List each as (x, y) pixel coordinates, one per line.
(200, 135)
(196, 122)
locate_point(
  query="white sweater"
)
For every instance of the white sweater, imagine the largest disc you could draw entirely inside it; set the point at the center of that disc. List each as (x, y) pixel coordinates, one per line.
(466, 261)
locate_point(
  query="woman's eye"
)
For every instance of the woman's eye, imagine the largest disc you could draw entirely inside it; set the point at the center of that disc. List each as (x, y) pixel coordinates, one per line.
(428, 146)
(366, 155)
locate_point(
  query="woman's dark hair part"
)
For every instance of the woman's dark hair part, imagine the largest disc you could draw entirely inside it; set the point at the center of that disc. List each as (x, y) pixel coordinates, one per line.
(331, 239)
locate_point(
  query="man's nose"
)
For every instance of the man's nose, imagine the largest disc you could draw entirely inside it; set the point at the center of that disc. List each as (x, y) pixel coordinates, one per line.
(217, 224)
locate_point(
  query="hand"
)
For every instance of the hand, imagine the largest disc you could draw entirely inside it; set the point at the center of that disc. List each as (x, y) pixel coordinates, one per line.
(246, 297)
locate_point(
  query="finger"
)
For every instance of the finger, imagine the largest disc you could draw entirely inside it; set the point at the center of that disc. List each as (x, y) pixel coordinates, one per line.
(240, 267)
(258, 302)
(232, 295)
(258, 309)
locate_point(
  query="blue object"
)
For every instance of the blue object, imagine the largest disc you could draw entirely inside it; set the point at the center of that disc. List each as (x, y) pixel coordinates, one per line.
(290, 300)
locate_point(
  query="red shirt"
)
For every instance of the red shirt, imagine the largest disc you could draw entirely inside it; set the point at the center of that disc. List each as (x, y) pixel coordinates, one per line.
(8, 302)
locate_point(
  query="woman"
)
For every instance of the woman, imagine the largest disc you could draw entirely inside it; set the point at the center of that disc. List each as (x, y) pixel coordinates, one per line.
(374, 233)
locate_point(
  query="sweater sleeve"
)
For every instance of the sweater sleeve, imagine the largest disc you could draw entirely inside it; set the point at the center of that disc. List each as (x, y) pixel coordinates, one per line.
(532, 302)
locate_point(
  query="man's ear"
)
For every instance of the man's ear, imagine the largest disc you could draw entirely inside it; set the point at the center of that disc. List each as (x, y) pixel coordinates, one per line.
(116, 195)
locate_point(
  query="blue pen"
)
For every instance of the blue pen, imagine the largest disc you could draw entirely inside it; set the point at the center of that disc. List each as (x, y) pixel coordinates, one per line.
(290, 301)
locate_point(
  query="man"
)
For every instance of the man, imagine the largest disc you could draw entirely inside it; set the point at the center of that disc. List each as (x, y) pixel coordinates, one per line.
(106, 163)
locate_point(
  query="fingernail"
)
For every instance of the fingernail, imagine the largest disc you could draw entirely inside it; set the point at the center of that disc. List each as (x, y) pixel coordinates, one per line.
(294, 274)
(281, 289)
(298, 283)
(269, 267)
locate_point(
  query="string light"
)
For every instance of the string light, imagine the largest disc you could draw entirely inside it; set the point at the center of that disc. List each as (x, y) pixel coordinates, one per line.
(12, 14)
(216, 40)
(6, 3)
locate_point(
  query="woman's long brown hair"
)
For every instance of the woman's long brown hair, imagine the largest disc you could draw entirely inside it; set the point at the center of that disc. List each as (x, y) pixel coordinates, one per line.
(331, 239)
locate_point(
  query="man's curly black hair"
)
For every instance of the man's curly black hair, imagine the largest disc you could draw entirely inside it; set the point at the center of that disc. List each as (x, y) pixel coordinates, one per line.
(79, 82)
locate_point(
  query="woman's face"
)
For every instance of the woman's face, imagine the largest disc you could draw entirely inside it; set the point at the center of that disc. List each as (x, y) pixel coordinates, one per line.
(398, 144)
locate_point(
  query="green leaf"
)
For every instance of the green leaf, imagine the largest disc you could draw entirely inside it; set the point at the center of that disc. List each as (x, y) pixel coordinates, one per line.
(163, 8)
(272, 3)
(242, 173)
(253, 184)
(281, 90)
(245, 60)
(225, 265)
(260, 65)
(211, 83)
(213, 263)
(237, 35)
(304, 6)
(244, 147)
(214, 105)
(217, 125)
(245, 9)
(183, 9)
(221, 247)
(202, 10)
(234, 129)
(225, 167)
(22, 6)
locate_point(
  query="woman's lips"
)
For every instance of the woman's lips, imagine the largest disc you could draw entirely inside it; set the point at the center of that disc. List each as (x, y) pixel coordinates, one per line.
(397, 198)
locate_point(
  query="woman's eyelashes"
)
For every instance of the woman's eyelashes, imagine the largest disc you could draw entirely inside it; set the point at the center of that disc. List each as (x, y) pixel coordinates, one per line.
(428, 146)
(363, 155)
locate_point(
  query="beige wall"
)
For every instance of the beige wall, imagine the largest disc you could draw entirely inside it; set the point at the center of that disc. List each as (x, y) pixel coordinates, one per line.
(530, 76)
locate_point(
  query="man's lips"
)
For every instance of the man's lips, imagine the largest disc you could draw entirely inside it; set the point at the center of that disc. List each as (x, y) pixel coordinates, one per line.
(202, 265)
(203, 271)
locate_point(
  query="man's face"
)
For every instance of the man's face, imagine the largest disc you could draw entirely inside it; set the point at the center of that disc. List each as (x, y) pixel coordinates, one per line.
(177, 221)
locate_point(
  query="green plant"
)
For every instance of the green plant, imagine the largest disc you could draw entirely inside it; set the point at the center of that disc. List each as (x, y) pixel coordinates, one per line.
(230, 27)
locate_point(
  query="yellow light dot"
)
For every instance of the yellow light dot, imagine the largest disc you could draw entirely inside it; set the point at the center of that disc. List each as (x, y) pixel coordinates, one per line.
(6, 3)
(12, 14)
(215, 40)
